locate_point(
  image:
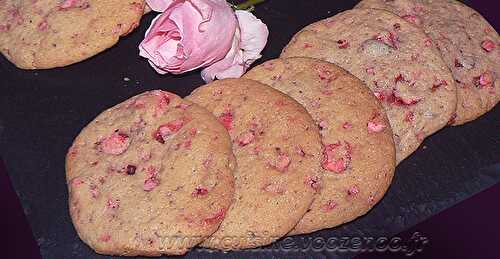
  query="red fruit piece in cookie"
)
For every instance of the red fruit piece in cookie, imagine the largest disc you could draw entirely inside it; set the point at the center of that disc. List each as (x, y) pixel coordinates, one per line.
(314, 182)
(347, 125)
(105, 237)
(452, 119)
(325, 74)
(420, 135)
(218, 217)
(150, 184)
(207, 163)
(43, 25)
(370, 71)
(300, 151)
(115, 144)
(199, 191)
(483, 80)
(163, 102)
(488, 45)
(438, 83)
(113, 204)
(227, 120)
(68, 4)
(182, 106)
(389, 38)
(337, 157)
(395, 98)
(402, 101)
(152, 181)
(409, 116)
(428, 42)
(281, 162)
(329, 206)
(246, 138)
(323, 125)
(374, 125)
(342, 44)
(193, 132)
(412, 18)
(131, 169)
(93, 190)
(399, 78)
(76, 182)
(353, 190)
(168, 129)
(307, 45)
(257, 150)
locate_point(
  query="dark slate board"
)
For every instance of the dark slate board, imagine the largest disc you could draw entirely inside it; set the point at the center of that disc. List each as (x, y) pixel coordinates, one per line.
(42, 111)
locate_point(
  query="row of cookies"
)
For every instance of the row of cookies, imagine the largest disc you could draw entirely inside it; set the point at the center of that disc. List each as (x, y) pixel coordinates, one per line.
(313, 146)
(407, 67)
(430, 63)
(157, 174)
(467, 43)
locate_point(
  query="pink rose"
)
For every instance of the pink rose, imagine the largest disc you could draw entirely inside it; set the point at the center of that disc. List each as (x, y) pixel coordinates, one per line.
(190, 34)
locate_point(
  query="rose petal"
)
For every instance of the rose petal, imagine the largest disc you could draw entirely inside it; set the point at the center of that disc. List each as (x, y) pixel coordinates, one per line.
(227, 67)
(248, 42)
(254, 35)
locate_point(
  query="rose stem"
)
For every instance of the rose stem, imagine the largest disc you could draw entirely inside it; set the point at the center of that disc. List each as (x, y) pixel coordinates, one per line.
(248, 4)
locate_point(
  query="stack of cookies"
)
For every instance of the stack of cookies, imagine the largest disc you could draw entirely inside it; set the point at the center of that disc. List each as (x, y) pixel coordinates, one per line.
(304, 142)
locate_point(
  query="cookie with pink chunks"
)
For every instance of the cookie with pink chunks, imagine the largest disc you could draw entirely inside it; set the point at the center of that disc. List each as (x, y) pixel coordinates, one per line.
(358, 150)
(278, 152)
(150, 176)
(39, 34)
(396, 60)
(468, 44)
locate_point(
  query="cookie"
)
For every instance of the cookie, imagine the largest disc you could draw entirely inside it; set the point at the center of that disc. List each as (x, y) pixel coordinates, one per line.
(277, 149)
(150, 176)
(51, 33)
(396, 60)
(468, 44)
(358, 150)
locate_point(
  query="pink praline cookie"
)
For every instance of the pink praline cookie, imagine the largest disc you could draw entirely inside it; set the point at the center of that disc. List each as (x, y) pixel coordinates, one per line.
(152, 175)
(278, 151)
(358, 157)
